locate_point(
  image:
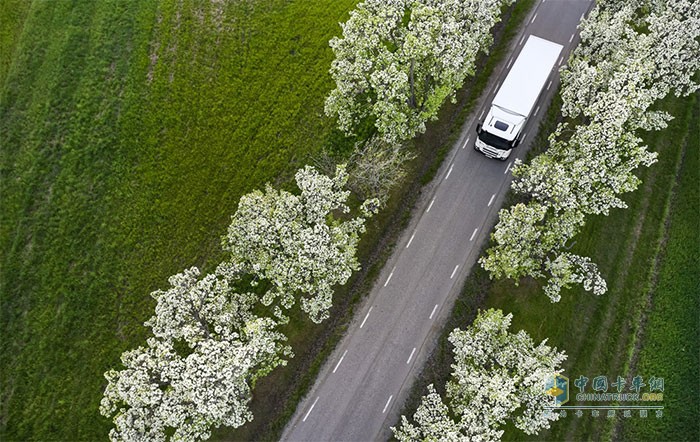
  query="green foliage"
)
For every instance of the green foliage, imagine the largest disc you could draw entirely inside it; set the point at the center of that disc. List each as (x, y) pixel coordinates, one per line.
(129, 131)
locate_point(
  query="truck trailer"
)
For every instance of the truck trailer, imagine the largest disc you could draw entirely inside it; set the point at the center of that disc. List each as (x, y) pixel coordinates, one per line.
(511, 107)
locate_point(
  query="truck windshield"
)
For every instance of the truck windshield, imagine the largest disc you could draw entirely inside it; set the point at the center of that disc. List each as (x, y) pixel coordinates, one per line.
(495, 141)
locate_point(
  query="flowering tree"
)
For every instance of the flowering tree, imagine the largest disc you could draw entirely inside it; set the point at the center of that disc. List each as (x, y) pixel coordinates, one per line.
(295, 241)
(497, 377)
(632, 54)
(399, 60)
(197, 371)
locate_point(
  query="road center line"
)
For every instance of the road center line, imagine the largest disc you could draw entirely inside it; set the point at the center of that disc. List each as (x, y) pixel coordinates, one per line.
(312, 407)
(533, 18)
(365, 320)
(521, 40)
(387, 403)
(411, 240)
(473, 235)
(549, 84)
(433, 312)
(491, 200)
(449, 171)
(507, 168)
(411, 357)
(454, 271)
(466, 142)
(390, 275)
(341, 360)
(431, 205)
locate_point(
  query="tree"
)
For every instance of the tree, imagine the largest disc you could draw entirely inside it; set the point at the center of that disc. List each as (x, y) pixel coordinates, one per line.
(399, 60)
(376, 168)
(497, 377)
(296, 242)
(198, 370)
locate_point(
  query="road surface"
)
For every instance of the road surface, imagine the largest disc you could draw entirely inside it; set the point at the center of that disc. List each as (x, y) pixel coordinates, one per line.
(360, 390)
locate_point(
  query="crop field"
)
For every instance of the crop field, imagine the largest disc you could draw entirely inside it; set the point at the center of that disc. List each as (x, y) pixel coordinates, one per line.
(128, 132)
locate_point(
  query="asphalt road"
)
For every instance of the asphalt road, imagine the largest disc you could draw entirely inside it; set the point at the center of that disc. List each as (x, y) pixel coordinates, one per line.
(361, 388)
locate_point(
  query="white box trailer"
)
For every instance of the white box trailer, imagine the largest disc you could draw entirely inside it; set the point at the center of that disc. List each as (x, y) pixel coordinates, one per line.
(516, 98)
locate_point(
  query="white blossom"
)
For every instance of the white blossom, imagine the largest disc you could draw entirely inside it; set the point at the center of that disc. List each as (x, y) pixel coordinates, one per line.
(296, 242)
(498, 377)
(399, 60)
(198, 370)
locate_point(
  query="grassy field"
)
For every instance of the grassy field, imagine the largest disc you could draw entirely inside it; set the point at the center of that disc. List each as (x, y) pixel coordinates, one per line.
(129, 130)
(647, 322)
(671, 338)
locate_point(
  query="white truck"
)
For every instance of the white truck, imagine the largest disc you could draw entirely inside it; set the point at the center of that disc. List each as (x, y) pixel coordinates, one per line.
(516, 98)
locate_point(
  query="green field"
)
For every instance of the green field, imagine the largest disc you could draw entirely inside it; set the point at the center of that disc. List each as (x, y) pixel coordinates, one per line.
(129, 131)
(647, 322)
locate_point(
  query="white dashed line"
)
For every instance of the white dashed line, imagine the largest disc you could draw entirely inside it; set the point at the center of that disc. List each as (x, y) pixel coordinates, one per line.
(521, 41)
(572, 37)
(308, 412)
(482, 114)
(433, 312)
(549, 84)
(561, 59)
(411, 240)
(523, 137)
(341, 360)
(431, 205)
(533, 18)
(387, 403)
(411, 357)
(472, 237)
(491, 200)
(366, 316)
(509, 62)
(466, 142)
(455, 270)
(507, 168)
(581, 17)
(390, 275)
(537, 110)
(449, 171)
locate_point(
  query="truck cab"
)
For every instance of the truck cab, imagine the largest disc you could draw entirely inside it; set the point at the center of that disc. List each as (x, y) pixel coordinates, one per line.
(500, 133)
